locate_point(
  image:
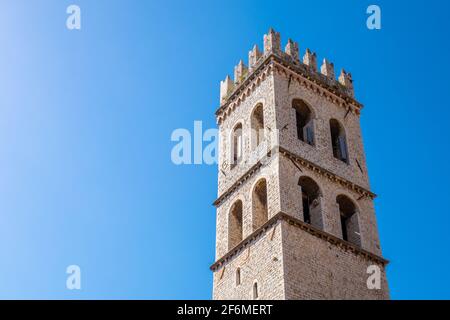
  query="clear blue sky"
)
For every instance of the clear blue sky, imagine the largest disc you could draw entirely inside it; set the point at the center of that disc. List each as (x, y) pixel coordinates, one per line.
(86, 117)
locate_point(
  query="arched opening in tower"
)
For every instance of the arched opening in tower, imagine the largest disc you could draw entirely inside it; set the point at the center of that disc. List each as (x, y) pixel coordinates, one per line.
(235, 225)
(237, 144)
(304, 121)
(257, 125)
(259, 203)
(338, 141)
(349, 220)
(311, 202)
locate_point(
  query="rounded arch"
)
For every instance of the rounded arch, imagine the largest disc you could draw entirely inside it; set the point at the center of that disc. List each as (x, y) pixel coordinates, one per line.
(257, 124)
(258, 180)
(337, 125)
(260, 212)
(304, 120)
(348, 213)
(311, 201)
(239, 122)
(257, 103)
(310, 185)
(338, 140)
(296, 99)
(235, 224)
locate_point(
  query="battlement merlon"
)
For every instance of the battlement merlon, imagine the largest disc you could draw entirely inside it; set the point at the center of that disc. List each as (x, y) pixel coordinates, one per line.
(226, 87)
(291, 55)
(253, 57)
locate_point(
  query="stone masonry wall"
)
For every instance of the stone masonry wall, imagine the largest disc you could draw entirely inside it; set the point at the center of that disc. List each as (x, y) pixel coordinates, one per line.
(260, 262)
(316, 269)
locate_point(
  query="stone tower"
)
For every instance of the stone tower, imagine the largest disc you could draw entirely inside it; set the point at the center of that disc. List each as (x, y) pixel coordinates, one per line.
(295, 214)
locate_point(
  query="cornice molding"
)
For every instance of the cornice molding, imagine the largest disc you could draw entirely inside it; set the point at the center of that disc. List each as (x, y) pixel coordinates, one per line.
(363, 192)
(328, 174)
(281, 216)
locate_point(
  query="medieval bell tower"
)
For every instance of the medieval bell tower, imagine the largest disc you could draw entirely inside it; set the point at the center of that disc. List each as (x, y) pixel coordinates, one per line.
(295, 214)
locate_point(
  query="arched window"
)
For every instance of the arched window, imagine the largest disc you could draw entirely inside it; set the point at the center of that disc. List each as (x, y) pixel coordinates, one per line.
(259, 204)
(349, 220)
(255, 290)
(338, 141)
(238, 276)
(235, 225)
(304, 121)
(237, 144)
(257, 123)
(312, 211)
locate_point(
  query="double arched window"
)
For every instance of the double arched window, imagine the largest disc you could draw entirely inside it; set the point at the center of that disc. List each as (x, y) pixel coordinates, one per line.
(304, 129)
(304, 123)
(256, 136)
(259, 214)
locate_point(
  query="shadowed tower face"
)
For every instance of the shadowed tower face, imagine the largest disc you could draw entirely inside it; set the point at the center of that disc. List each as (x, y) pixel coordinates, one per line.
(295, 214)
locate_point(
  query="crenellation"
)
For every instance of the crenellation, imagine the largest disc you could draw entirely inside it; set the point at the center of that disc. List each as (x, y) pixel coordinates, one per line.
(272, 42)
(291, 54)
(310, 59)
(240, 72)
(327, 69)
(226, 87)
(253, 57)
(292, 50)
(346, 80)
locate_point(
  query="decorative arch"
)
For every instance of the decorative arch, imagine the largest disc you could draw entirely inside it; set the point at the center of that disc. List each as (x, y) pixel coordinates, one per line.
(338, 141)
(348, 213)
(260, 213)
(304, 121)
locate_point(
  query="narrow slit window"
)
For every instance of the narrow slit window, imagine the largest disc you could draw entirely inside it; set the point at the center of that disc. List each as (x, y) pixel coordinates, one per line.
(255, 291)
(238, 276)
